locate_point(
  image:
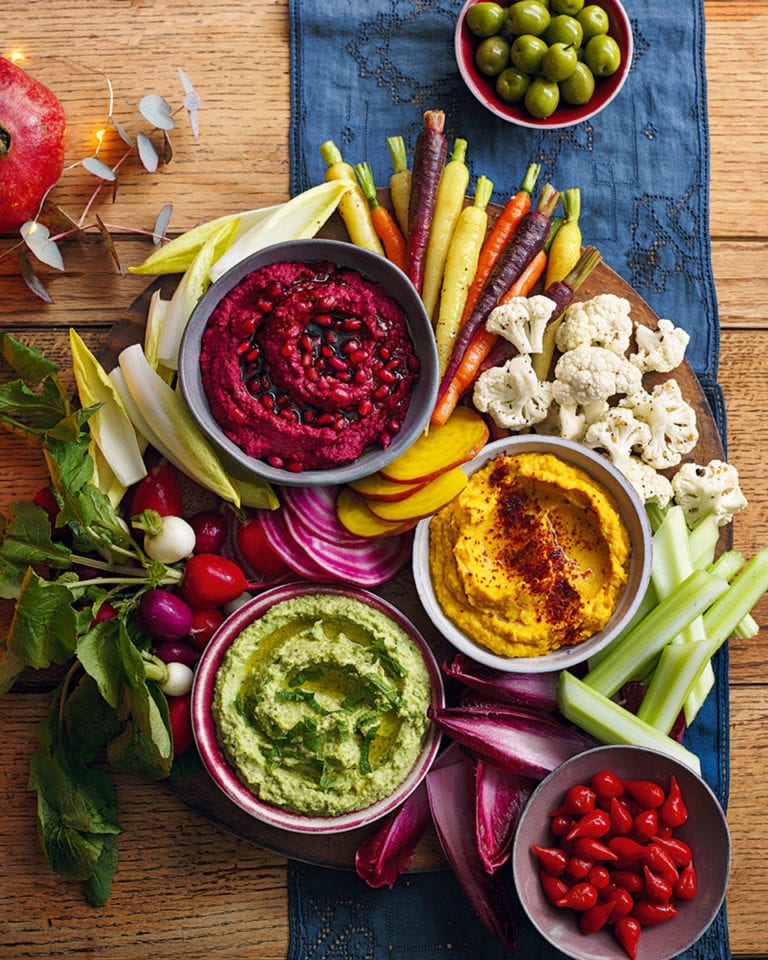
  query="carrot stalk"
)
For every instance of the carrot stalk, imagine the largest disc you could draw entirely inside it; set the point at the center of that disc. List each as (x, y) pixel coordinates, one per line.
(460, 266)
(529, 238)
(383, 222)
(353, 206)
(399, 182)
(501, 233)
(562, 292)
(428, 159)
(481, 345)
(566, 247)
(450, 200)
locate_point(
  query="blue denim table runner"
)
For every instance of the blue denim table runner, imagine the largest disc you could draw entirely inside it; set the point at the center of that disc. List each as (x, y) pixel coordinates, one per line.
(361, 72)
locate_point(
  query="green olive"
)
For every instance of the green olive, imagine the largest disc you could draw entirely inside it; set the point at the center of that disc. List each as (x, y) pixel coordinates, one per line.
(593, 20)
(485, 19)
(571, 7)
(541, 98)
(602, 55)
(527, 52)
(579, 87)
(527, 16)
(559, 62)
(492, 55)
(511, 84)
(564, 29)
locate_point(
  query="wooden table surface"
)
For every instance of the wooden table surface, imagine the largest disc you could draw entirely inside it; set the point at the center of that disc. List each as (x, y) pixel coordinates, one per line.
(185, 886)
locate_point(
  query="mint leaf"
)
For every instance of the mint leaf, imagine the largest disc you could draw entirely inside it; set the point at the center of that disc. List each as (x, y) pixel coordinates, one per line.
(43, 630)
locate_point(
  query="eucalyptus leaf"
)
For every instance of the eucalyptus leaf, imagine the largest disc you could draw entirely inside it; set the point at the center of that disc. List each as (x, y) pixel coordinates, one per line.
(124, 135)
(157, 111)
(37, 238)
(147, 153)
(167, 154)
(161, 223)
(32, 280)
(99, 169)
(185, 81)
(109, 244)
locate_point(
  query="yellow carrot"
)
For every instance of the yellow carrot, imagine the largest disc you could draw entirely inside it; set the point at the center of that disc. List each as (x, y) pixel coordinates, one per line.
(400, 182)
(353, 206)
(460, 267)
(450, 200)
(565, 250)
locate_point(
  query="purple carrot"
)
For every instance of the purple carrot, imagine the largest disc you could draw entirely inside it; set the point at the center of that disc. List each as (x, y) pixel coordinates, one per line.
(451, 801)
(388, 852)
(520, 739)
(500, 795)
(428, 160)
(537, 690)
(531, 235)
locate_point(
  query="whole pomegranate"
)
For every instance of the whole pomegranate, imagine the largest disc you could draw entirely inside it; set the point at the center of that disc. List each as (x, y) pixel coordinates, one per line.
(32, 132)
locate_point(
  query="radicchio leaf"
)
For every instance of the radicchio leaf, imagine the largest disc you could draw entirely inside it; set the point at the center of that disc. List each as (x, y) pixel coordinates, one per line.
(387, 853)
(524, 740)
(450, 799)
(500, 795)
(536, 690)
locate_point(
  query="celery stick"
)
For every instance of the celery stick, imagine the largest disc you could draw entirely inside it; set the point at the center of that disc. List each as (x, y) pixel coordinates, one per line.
(727, 564)
(675, 676)
(608, 722)
(655, 631)
(702, 541)
(656, 515)
(649, 601)
(746, 629)
(727, 612)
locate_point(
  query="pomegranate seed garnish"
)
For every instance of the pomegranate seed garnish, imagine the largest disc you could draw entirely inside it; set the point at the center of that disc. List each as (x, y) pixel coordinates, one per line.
(312, 374)
(393, 364)
(364, 408)
(384, 439)
(385, 353)
(325, 419)
(337, 363)
(352, 323)
(361, 375)
(326, 350)
(266, 306)
(324, 319)
(413, 362)
(243, 347)
(294, 466)
(331, 337)
(358, 356)
(393, 426)
(268, 401)
(307, 359)
(274, 461)
(381, 392)
(386, 376)
(287, 349)
(306, 342)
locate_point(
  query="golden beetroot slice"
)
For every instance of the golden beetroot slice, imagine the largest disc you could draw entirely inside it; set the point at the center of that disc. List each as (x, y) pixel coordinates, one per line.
(378, 487)
(425, 501)
(441, 448)
(353, 514)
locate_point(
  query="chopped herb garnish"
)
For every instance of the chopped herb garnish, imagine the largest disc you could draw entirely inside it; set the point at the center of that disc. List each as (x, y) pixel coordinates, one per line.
(380, 652)
(303, 675)
(302, 696)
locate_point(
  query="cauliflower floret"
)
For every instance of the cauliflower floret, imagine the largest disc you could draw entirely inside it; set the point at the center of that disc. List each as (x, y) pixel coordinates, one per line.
(603, 321)
(650, 485)
(522, 321)
(713, 488)
(513, 394)
(659, 350)
(571, 422)
(618, 433)
(593, 373)
(672, 422)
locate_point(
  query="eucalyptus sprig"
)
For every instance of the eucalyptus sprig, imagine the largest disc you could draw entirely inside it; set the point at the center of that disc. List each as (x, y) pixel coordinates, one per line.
(36, 236)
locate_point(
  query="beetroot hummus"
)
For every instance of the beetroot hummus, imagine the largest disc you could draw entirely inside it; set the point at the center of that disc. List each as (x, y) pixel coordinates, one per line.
(308, 365)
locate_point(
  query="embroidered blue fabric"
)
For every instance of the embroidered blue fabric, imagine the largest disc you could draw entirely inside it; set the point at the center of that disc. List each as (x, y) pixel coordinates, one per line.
(361, 72)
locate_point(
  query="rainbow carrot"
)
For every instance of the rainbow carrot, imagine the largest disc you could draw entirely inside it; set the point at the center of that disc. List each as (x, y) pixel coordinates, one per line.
(353, 206)
(428, 159)
(384, 223)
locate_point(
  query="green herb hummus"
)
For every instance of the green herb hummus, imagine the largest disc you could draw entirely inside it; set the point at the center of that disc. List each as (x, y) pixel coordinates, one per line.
(321, 705)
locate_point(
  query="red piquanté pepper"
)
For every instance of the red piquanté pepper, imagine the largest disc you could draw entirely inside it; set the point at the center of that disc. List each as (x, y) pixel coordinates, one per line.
(657, 858)
(580, 799)
(606, 785)
(593, 849)
(560, 825)
(581, 896)
(629, 880)
(595, 918)
(596, 823)
(623, 903)
(554, 888)
(627, 850)
(622, 820)
(652, 914)
(627, 932)
(657, 888)
(648, 794)
(646, 824)
(673, 811)
(579, 867)
(599, 877)
(552, 859)
(678, 849)
(687, 883)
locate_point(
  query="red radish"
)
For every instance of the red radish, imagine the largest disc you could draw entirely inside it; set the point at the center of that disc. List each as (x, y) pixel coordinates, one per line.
(428, 161)
(176, 651)
(528, 239)
(164, 615)
(211, 581)
(210, 530)
(158, 491)
(205, 622)
(180, 714)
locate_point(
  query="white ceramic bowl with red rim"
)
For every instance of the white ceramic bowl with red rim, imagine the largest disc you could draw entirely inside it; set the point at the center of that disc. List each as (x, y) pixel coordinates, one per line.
(214, 759)
(706, 832)
(639, 572)
(483, 88)
(341, 254)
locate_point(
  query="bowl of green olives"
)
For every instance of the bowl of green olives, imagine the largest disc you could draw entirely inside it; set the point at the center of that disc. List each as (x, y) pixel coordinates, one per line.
(544, 63)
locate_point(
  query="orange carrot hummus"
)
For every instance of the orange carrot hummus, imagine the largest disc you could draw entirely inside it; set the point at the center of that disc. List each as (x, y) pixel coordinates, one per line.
(531, 556)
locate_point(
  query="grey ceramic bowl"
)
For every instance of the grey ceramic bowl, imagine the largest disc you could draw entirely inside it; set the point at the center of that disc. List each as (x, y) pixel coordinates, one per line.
(214, 759)
(634, 516)
(343, 254)
(706, 832)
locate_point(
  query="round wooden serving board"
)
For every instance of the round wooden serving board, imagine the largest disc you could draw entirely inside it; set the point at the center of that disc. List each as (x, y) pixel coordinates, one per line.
(338, 850)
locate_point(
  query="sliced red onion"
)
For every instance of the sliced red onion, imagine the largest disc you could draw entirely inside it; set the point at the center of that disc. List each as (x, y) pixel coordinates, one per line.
(500, 795)
(450, 799)
(537, 690)
(520, 739)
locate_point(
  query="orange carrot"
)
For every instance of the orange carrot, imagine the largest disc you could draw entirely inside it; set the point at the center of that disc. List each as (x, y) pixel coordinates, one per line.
(384, 223)
(500, 234)
(528, 278)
